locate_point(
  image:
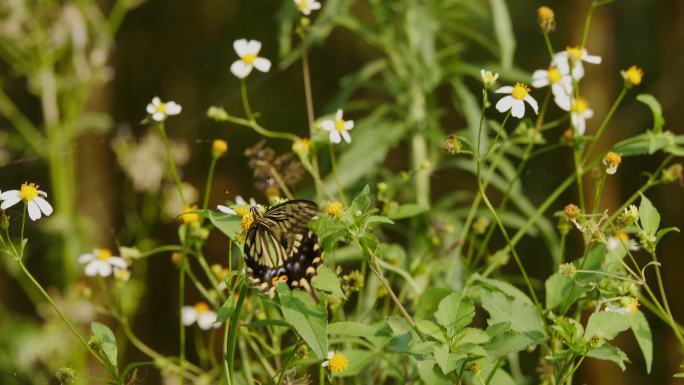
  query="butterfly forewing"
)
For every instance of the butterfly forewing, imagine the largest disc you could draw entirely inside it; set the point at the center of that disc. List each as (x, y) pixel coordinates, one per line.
(280, 247)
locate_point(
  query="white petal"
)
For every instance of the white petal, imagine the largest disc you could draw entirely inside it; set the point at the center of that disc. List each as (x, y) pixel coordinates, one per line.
(118, 262)
(325, 364)
(335, 136)
(315, 5)
(588, 113)
(226, 210)
(563, 101)
(158, 116)
(530, 100)
(330, 355)
(339, 114)
(9, 203)
(262, 64)
(348, 125)
(518, 109)
(578, 71)
(156, 101)
(593, 59)
(240, 47)
(579, 123)
(253, 47)
(33, 210)
(104, 269)
(505, 103)
(188, 315)
(42, 193)
(206, 320)
(240, 200)
(173, 108)
(91, 268)
(151, 108)
(328, 125)
(540, 78)
(86, 258)
(10, 194)
(44, 205)
(346, 136)
(560, 61)
(504, 90)
(240, 69)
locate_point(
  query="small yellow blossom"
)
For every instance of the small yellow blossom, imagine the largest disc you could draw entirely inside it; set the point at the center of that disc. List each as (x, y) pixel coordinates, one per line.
(673, 174)
(176, 257)
(188, 216)
(335, 210)
(546, 18)
(567, 270)
(122, 275)
(633, 75)
(452, 145)
(612, 161)
(218, 148)
(572, 211)
(473, 366)
(246, 221)
(301, 146)
(336, 362)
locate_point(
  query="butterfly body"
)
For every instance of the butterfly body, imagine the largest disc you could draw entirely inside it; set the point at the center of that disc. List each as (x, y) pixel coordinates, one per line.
(279, 246)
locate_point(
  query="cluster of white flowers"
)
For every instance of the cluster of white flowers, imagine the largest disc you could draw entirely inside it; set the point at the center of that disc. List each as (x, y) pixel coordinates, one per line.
(102, 263)
(201, 314)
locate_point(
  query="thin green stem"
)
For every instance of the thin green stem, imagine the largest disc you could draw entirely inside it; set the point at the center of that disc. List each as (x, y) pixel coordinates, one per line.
(172, 163)
(181, 325)
(158, 250)
(306, 73)
(224, 352)
(579, 177)
(233, 334)
(210, 179)
(259, 129)
(64, 318)
(666, 305)
(23, 223)
(549, 47)
(245, 101)
(333, 164)
(605, 122)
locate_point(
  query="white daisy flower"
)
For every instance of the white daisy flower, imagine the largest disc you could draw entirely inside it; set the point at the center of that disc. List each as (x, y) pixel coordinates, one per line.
(561, 83)
(336, 362)
(200, 313)
(306, 6)
(36, 204)
(628, 305)
(488, 78)
(101, 262)
(515, 100)
(579, 113)
(573, 57)
(338, 128)
(159, 110)
(248, 51)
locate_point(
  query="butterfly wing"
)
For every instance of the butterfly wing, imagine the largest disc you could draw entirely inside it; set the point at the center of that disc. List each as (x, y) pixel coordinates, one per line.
(279, 246)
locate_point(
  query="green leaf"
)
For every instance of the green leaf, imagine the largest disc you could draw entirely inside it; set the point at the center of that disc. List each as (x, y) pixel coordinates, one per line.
(430, 374)
(447, 361)
(431, 329)
(327, 281)
(308, 319)
(561, 291)
(358, 359)
(642, 333)
(606, 325)
(352, 329)
(408, 210)
(267, 322)
(455, 312)
(227, 224)
(104, 333)
(501, 286)
(664, 231)
(503, 28)
(226, 310)
(505, 341)
(522, 316)
(134, 365)
(611, 353)
(648, 216)
(652, 103)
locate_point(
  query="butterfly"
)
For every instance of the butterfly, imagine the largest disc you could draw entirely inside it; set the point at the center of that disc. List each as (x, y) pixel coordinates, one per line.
(280, 247)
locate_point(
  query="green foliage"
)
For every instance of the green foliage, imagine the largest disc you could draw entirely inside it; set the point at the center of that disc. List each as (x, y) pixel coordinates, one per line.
(106, 335)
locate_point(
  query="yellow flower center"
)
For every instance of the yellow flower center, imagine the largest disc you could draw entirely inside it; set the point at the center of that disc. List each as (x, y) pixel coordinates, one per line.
(188, 216)
(520, 91)
(249, 58)
(554, 75)
(612, 159)
(339, 125)
(338, 363)
(104, 254)
(545, 13)
(621, 235)
(247, 221)
(301, 146)
(574, 52)
(201, 307)
(335, 210)
(29, 191)
(219, 147)
(580, 105)
(161, 108)
(633, 75)
(241, 212)
(303, 4)
(633, 305)
(122, 274)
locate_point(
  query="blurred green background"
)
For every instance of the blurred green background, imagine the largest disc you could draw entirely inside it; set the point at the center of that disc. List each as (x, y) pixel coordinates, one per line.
(182, 51)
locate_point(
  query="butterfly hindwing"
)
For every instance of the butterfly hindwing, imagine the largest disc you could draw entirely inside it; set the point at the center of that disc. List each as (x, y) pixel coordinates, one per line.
(280, 247)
